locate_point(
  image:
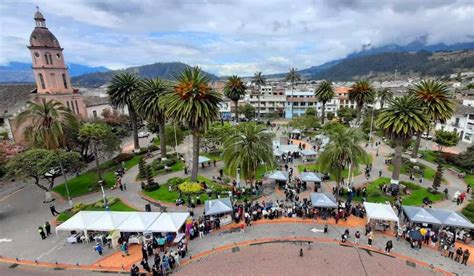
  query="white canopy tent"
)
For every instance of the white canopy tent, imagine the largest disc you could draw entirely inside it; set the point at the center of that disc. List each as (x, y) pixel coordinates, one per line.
(138, 221)
(450, 218)
(296, 131)
(419, 215)
(168, 222)
(279, 175)
(203, 159)
(310, 177)
(80, 221)
(380, 212)
(323, 200)
(277, 152)
(218, 206)
(109, 221)
(308, 152)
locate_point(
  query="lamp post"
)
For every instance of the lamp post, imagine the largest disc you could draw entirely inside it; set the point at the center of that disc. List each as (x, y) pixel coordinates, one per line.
(371, 124)
(237, 177)
(175, 142)
(101, 183)
(65, 183)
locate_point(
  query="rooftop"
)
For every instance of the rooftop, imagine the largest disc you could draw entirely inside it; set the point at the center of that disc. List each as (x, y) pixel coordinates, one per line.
(14, 97)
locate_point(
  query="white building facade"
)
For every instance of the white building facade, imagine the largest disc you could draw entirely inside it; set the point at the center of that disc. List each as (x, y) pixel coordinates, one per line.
(462, 121)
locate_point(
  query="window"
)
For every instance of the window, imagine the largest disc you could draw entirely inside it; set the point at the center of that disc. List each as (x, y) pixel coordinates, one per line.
(64, 81)
(52, 76)
(77, 107)
(48, 58)
(58, 56)
(68, 106)
(40, 76)
(2, 121)
(94, 113)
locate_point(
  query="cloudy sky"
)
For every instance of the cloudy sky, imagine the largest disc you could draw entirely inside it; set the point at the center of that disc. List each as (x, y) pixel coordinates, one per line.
(230, 36)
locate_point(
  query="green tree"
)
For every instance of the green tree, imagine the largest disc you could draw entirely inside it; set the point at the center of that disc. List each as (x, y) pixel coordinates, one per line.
(247, 148)
(361, 93)
(324, 93)
(443, 139)
(248, 110)
(310, 112)
(193, 103)
(466, 159)
(100, 139)
(235, 90)
(293, 77)
(343, 151)
(147, 104)
(142, 169)
(35, 163)
(400, 121)
(259, 80)
(122, 90)
(434, 97)
(174, 134)
(216, 134)
(346, 114)
(305, 122)
(330, 116)
(384, 95)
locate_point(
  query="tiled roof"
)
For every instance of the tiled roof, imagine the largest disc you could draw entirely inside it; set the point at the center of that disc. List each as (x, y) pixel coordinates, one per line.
(14, 96)
(95, 100)
(464, 109)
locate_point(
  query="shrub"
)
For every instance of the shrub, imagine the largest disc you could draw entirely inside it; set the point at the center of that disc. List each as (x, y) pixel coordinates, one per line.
(159, 167)
(151, 187)
(153, 148)
(170, 162)
(78, 207)
(122, 157)
(190, 187)
(175, 181)
(142, 172)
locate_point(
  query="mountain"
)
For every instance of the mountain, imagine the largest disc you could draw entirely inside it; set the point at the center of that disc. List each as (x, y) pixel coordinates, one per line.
(21, 71)
(422, 63)
(164, 70)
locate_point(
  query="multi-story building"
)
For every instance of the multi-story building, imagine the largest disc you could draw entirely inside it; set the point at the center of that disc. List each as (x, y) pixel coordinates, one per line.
(298, 101)
(272, 99)
(462, 121)
(342, 94)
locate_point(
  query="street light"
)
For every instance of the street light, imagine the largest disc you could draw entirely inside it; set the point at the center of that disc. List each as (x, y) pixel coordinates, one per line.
(101, 183)
(238, 177)
(175, 142)
(71, 204)
(371, 123)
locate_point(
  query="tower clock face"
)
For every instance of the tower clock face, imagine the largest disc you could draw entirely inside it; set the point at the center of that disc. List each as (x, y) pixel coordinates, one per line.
(36, 54)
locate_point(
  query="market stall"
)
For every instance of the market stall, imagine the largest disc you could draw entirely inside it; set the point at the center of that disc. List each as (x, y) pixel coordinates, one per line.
(419, 215)
(279, 176)
(451, 218)
(323, 200)
(381, 216)
(221, 207)
(308, 154)
(311, 177)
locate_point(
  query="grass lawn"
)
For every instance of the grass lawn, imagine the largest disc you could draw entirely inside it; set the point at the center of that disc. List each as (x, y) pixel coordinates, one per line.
(164, 194)
(117, 206)
(469, 179)
(375, 194)
(468, 211)
(176, 167)
(316, 167)
(429, 155)
(79, 185)
(428, 173)
(259, 173)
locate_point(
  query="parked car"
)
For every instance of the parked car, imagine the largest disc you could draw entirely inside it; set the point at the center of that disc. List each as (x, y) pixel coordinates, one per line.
(426, 136)
(143, 134)
(53, 172)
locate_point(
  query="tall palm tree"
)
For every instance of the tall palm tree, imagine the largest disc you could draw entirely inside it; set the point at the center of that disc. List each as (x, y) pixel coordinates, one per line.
(193, 103)
(259, 80)
(324, 93)
(247, 148)
(403, 118)
(343, 151)
(235, 90)
(292, 77)
(361, 93)
(434, 97)
(147, 104)
(47, 121)
(384, 95)
(122, 89)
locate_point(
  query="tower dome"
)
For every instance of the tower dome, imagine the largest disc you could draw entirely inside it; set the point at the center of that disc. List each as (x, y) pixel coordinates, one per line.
(41, 36)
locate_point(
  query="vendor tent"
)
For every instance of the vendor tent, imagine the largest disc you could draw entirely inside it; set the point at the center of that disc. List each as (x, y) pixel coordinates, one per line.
(296, 131)
(308, 152)
(310, 177)
(109, 221)
(138, 221)
(279, 175)
(203, 159)
(419, 215)
(380, 212)
(450, 218)
(168, 222)
(323, 200)
(218, 206)
(277, 152)
(80, 221)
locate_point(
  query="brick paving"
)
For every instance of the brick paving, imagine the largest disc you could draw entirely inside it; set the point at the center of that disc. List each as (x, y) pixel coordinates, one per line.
(284, 259)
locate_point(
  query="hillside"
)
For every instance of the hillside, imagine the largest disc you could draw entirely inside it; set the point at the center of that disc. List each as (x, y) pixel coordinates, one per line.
(166, 70)
(421, 63)
(21, 71)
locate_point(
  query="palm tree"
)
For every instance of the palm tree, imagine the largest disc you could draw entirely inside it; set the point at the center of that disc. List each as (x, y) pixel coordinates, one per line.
(292, 77)
(384, 95)
(324, 93)
(235, 90)
(248, 148)
(403, 118)
(259, 80)
(147, 104)
(343, 151)
(434, 97)
(122, 90)
(47, 121)
(193, 103)
(361, 93)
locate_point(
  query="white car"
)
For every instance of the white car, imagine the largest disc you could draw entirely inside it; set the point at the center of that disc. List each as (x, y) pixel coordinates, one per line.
(143, 134)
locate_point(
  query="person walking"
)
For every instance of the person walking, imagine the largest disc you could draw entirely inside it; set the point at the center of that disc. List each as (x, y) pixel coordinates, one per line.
(388, 247)
(459, 253)
(134, 270)
(357, 237)
(145, 265)
(370, 238)
(451, 251)
(41, 232)
(53, 210)
(47, 228)
(465, 257)
(98, 249)
(124, 249)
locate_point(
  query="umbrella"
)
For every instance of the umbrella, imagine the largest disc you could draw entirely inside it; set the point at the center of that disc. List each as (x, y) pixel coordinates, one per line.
(415, 235)
(423, 231)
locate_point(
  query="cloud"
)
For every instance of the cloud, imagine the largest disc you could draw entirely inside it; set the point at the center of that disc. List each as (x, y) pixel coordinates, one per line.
(230, 36)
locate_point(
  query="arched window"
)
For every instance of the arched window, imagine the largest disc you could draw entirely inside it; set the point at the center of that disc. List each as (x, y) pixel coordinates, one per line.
(64, 81)
(77, 107)
(40, 76)
(48, 58)
(52, 76)
(68, 106)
